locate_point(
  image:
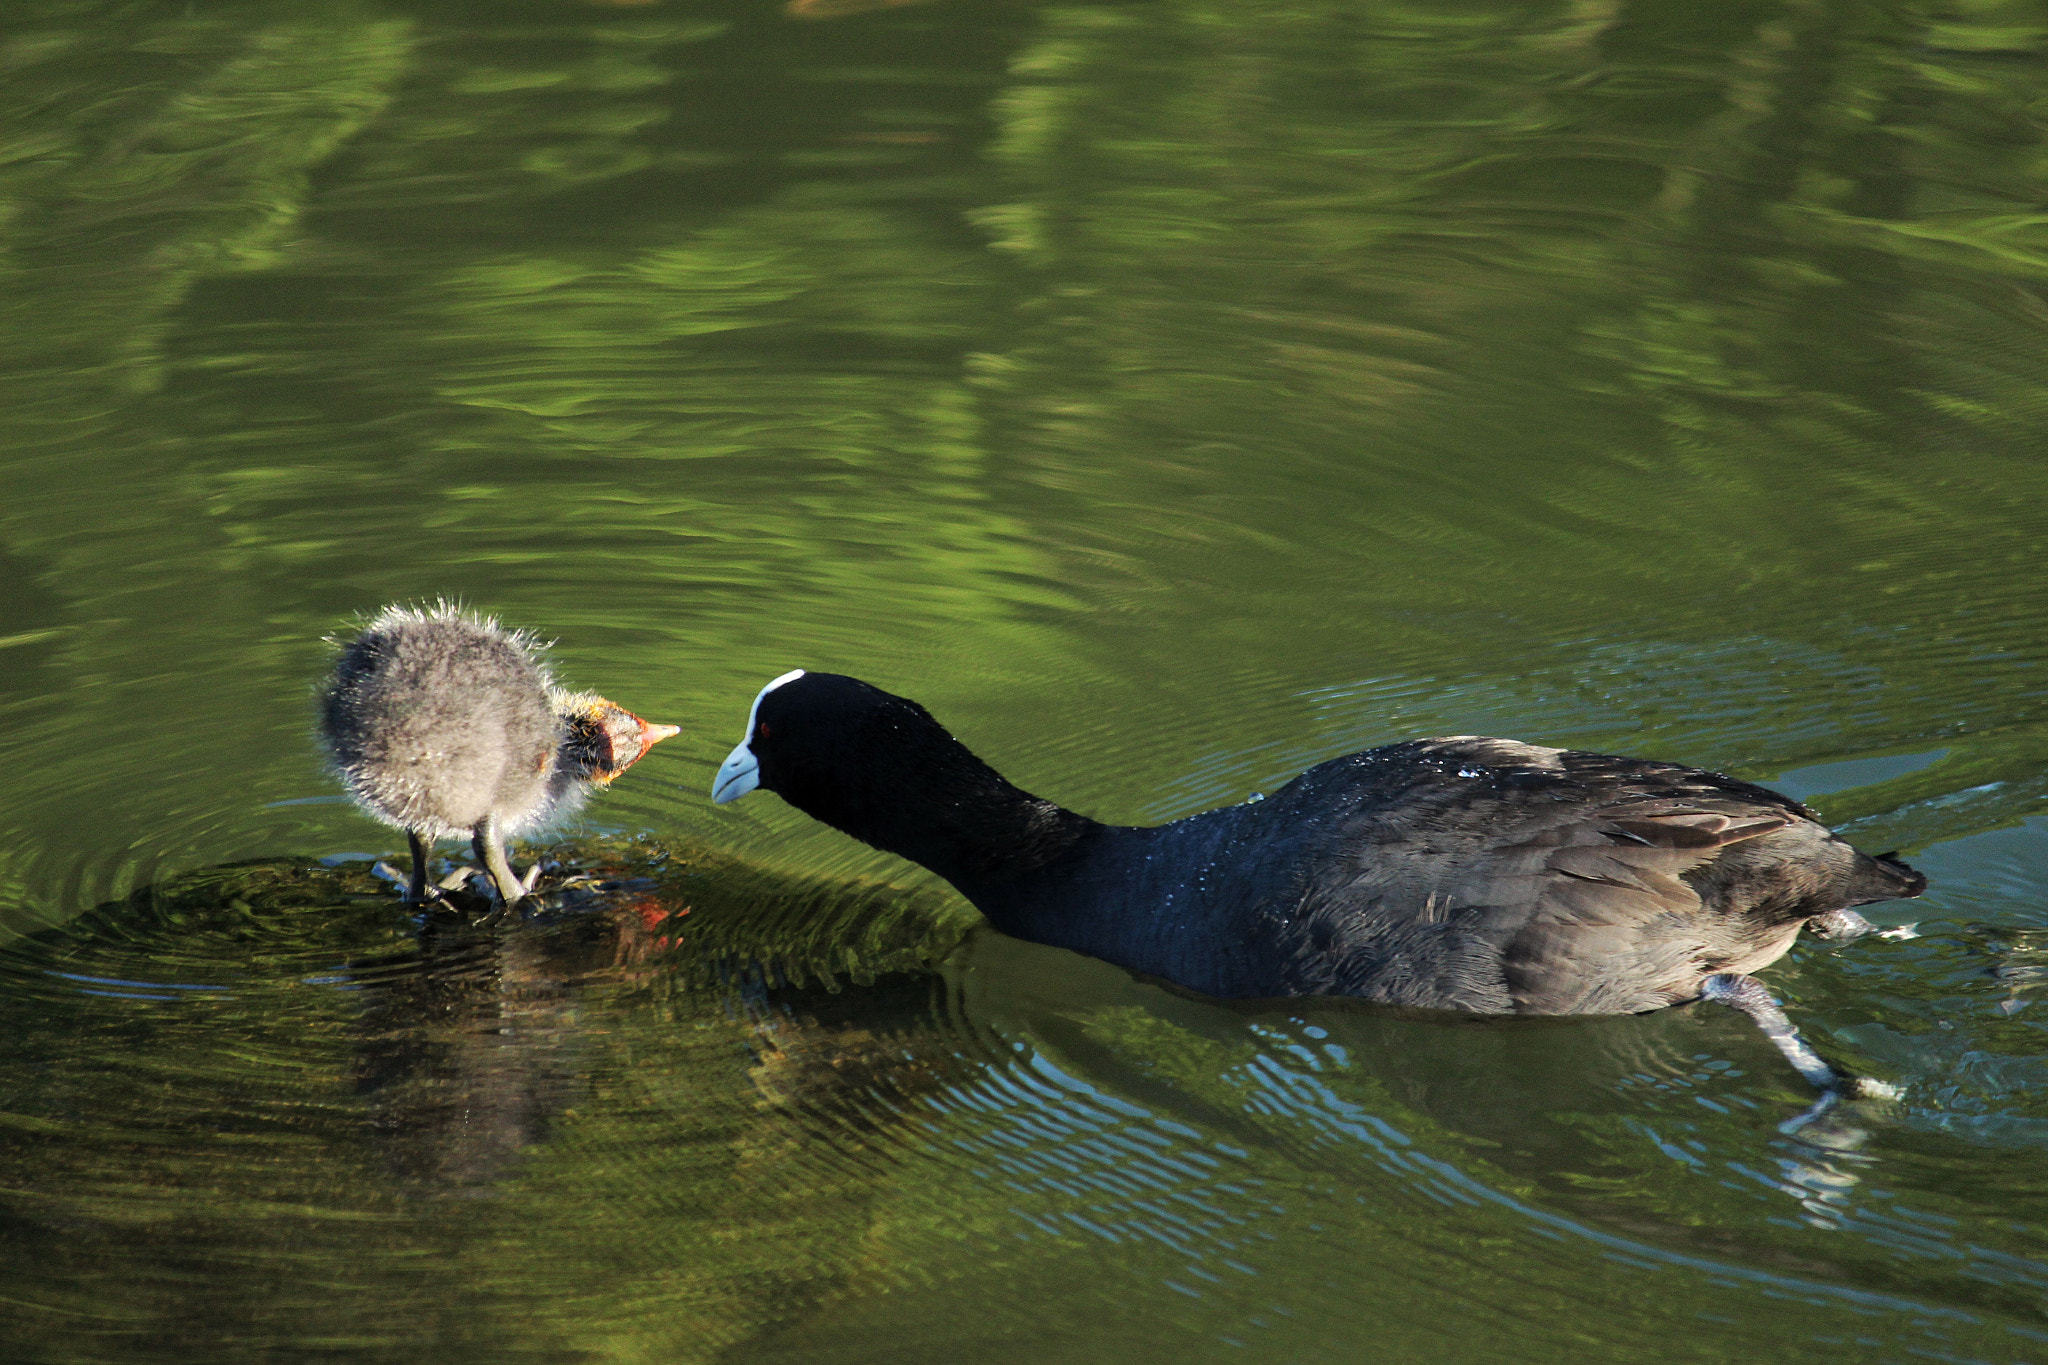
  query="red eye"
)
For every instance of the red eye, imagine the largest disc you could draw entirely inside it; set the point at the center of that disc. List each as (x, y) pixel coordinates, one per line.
(761, 730)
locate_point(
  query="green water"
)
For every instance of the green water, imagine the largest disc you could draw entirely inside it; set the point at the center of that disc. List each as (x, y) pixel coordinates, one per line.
(1170, 395)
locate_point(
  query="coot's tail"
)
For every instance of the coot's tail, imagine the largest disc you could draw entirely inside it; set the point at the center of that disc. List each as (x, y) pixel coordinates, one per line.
(1882, 877)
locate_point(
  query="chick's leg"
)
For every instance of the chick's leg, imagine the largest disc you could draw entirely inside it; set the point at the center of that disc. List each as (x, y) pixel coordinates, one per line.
(416, 887)
(489, 844)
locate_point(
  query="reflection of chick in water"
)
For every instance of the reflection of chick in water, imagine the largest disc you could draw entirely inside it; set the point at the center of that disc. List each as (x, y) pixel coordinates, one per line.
(474, 1045)
(467, 1054)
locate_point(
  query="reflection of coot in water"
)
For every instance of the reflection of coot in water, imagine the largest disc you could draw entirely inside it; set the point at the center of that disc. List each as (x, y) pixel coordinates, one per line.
(1471, 874)
(446, 724)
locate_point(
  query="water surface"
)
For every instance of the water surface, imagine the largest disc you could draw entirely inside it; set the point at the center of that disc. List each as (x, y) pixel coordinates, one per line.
(1169, 396)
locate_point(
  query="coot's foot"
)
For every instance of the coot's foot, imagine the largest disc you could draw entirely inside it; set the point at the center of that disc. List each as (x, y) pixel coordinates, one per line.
(1840, 926)
(1747, 994)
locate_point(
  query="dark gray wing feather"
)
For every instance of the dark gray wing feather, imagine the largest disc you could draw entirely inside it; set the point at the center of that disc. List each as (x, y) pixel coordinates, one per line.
(1569, 884)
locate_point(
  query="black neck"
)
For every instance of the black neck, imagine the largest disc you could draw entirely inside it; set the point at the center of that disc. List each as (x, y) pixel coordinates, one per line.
(956, 816)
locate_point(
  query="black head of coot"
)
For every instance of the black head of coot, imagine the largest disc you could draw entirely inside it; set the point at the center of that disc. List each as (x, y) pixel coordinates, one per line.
(878, 767)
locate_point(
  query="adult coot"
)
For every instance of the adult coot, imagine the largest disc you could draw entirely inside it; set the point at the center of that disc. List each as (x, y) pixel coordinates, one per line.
(1461, 873)
(444, 723)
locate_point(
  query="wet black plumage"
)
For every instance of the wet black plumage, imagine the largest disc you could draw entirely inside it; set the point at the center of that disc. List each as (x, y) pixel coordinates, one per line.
(1461, 873)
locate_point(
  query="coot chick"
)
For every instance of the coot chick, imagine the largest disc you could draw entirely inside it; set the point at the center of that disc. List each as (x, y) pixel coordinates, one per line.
(444, 723)
(1460, 873)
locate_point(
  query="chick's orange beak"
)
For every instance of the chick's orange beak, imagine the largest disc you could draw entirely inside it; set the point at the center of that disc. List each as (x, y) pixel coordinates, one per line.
(650, 735)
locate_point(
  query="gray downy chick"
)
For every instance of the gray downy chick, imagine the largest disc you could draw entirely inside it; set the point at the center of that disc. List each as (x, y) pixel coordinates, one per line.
(443, 723)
